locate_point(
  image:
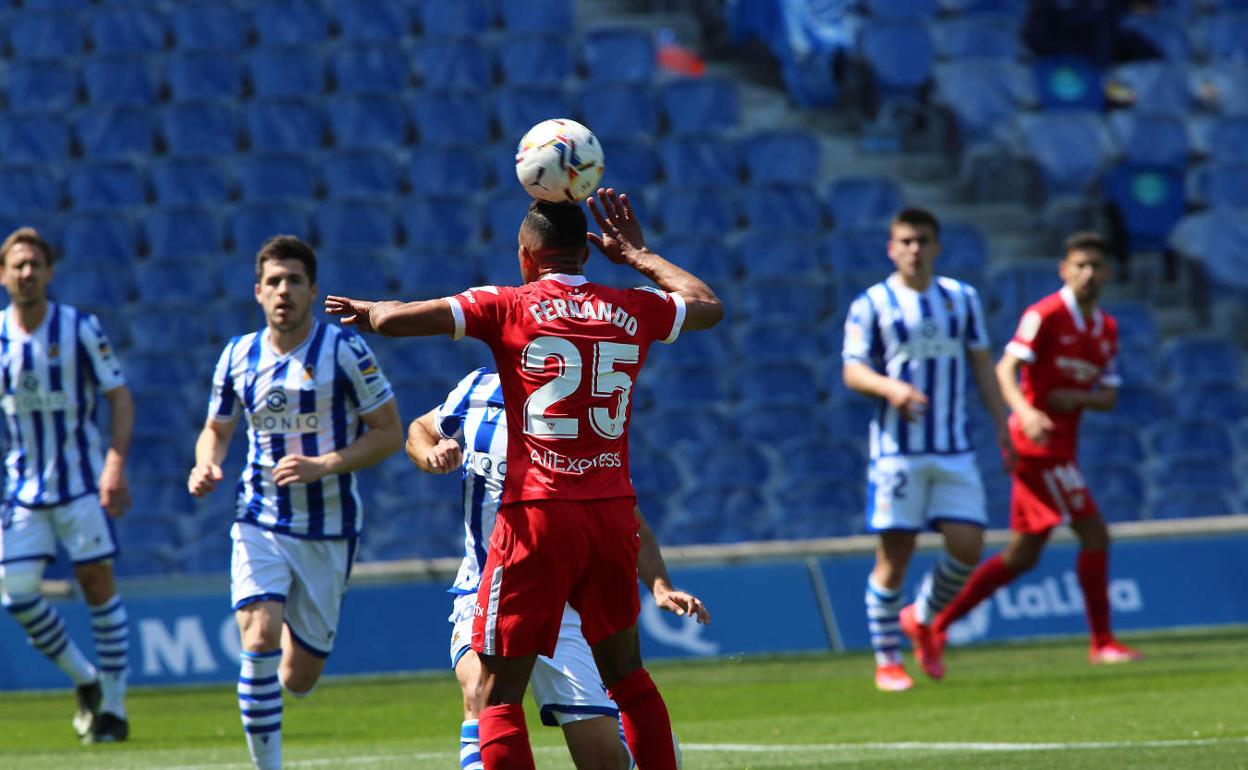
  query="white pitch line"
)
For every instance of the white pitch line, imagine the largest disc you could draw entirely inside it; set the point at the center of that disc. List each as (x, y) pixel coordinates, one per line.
(959, 746)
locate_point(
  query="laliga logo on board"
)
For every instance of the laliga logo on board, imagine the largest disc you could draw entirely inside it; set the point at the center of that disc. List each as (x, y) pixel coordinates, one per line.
(1048, 598)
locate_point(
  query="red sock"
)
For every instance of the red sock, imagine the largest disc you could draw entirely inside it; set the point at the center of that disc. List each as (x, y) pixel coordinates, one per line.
(983, 582)
(647, 727)
(504, 738)
(1093, 569)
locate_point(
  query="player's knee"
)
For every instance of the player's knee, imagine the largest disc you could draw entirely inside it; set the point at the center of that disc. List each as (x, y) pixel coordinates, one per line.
(19, 582)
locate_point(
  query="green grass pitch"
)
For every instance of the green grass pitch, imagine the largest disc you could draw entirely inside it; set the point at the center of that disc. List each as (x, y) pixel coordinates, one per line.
(1025, 706)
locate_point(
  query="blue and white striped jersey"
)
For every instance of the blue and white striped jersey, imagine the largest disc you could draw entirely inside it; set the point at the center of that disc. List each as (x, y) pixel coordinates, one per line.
(50, 382)
(473, 414)
(922, 339)
(308, 402)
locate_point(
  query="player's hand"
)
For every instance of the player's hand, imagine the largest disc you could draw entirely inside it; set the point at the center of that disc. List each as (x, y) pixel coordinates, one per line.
(114, 491)
(1037, 426)
(621, 232)
(203, 479)
(351, 312)
(681, 603)
(908, 400)
(445, 456)
(298, 469)
(1062, 400)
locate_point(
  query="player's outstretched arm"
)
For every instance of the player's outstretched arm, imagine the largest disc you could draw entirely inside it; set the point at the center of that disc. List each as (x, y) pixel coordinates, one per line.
(114, 491)
(653, 572)
(422, 318)
(382, 439)
(428, 450)
(210, 449)
(622, 241)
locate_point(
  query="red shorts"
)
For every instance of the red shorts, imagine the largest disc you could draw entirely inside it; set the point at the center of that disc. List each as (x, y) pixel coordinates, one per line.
(1048, 492)
(545, 553)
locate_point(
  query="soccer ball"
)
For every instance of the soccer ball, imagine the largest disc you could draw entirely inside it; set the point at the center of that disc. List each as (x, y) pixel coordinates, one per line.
(559, 161)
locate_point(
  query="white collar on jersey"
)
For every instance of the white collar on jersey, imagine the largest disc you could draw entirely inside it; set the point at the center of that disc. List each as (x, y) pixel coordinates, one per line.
(1072, 306)
(570, 280)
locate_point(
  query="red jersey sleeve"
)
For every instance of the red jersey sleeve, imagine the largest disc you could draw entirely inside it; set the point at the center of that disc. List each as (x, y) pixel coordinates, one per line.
(479, 312)
(1110, 376)
(660, 314)
(1027, 344)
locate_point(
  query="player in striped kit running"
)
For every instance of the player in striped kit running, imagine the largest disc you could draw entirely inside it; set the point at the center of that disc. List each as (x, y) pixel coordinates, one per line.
(318, 408)
(909, 341)
(59, 486)
(566, 686)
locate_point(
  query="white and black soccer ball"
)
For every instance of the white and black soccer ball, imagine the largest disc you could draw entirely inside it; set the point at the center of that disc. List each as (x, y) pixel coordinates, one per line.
(559, 161)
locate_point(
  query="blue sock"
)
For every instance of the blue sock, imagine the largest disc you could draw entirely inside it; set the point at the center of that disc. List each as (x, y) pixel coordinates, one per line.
(469, 746)
(883, 609)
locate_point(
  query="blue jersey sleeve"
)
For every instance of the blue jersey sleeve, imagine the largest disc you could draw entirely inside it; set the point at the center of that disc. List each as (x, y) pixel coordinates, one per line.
(451, 412)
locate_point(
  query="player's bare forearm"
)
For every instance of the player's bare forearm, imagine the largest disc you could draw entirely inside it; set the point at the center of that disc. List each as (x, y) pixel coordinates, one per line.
(861, 378)
(650, 565)
(986, 382)
(428, 450)
(214, 441)
(703, 308)
(1007, 381)
(120, 423)
(422, 318)
(383, 438)
(1070, 399)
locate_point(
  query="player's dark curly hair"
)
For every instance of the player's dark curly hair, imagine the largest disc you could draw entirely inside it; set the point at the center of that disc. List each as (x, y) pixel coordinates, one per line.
(558, 227)
(31, 237)
(916, 217)
(1086, 240)
(287, 247)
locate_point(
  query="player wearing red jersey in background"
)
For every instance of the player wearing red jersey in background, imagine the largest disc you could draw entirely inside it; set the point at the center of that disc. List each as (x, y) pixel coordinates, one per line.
(1065, 348)
(568, 353)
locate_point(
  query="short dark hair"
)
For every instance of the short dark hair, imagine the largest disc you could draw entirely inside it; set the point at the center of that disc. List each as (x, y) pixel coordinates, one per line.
(1086, 240)
(31, 237)
(916, 217)
(287, 247)
(558, 227)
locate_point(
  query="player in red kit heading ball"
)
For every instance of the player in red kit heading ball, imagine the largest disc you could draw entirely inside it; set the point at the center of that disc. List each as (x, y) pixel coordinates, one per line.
(1065, 347)
(568, 353)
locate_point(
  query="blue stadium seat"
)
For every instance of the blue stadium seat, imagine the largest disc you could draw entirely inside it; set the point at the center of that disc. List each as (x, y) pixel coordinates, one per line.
(690, 162)
(285, 125)
(28, 190)
(534, 60)
(987, 35)
(694, 211)
(181, 326)
(519, 109)
(348, 276)
(1155, 139)
(424, 272)
(1015, 286)
(752, 423)
(697, 106)
(201, 128)
(783, 207)
(687, 385)
(709, 258)
(759, 338)
(96, 284)
(127, 29)
(1196, 475)
(192, 181)
(1137, 364)
(818, 508)
(776, 380)
(619, 55)
(861, 256)
(460, 19)
(1116, 508)
(1137, 326)
(1224, 86)
(253, 224)
(899, 55)
(1224, 36)
(1070, 148)
(182, 232)
(1067, 83)
(441, 223)
(454, 64)
(632, 165)
(296, 71)
(984, 95)
(815, 456)
(33, 138)
(290, 22)
(1150, 200)
(858, 202)
(1142, 404)
(1216, 401)
(208, 27)
(370, 69)
(204, 75)
(503, 212)
(56, 5)
(781, 155)
(901, 9)
(765, 254)
(1155, 86)
(373, 21)
(1217, 240)
(1182, 504)
(443, 117)
(1228, 137)
(357, 224)
(732, 465)
(366, 122)
(1202, 359)
(1110, 445)
(623, 112)
(538, 15)
(448, 171)
(45, 36)
(1191, 439)
(963, 252)
(106, 184)
(1115, 480)
(104, 239)
(42, 86)
(1219, 184)
(160, 371)
(120, 79)
(169, 282)
(1165, 29)
(361, 174)
(798, 301)
(277, 177)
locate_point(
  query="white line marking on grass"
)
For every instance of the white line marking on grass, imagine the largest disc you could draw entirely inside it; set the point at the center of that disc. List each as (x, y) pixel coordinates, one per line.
(959, 746)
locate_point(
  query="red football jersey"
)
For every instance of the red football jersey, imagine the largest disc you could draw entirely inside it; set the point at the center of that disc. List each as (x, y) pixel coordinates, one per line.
(1063, 350)
(568, 353)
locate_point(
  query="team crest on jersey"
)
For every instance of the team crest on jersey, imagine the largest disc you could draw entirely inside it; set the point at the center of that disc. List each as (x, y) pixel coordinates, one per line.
(929, 328)
(1029, 326)
(309, 372)
(29, 381)
(276, 400)
(368, 367)
(472, 300)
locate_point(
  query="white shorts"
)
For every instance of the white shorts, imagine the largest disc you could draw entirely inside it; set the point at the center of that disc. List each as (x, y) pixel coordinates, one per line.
(309, 576)
(81, 526)
(917, 492)
(567, 687)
